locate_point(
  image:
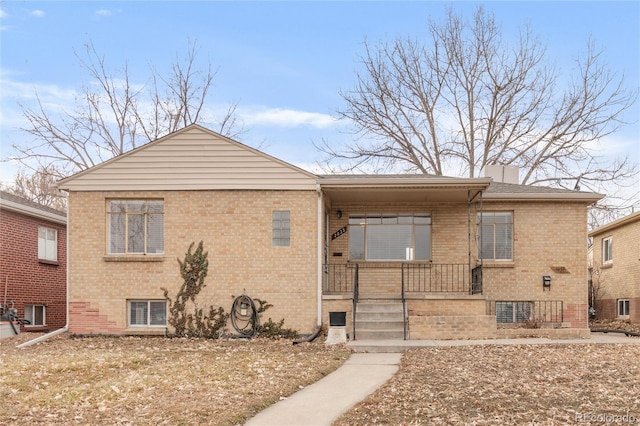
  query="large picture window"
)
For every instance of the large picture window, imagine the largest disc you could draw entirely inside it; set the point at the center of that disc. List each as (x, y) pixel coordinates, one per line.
(147, 313)
(495, 241)
(390, 237)
(136, 226)
(47, 244)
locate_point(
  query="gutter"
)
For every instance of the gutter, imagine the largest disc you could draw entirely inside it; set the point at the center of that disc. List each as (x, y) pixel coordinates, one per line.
(320, 251)
(66, 326)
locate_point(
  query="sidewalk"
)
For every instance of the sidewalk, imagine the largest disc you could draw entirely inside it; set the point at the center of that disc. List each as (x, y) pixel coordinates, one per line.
(324, 401)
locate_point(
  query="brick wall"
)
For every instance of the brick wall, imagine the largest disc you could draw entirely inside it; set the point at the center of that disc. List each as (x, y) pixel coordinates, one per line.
(619, 279)
(27, 280)
(549, 239)
(235, 227)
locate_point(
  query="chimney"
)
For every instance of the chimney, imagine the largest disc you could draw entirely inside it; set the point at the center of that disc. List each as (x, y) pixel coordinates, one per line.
(504, 174)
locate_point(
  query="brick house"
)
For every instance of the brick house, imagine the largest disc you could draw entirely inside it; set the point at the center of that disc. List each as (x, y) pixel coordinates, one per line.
(33, 262)
(455, 257)
(618, 271)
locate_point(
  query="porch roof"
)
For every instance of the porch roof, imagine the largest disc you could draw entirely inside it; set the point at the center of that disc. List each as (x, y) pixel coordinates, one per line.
(400, 188)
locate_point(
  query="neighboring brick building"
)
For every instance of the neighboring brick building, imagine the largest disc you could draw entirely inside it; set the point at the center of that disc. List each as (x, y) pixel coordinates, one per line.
(314, 245)
(33, 262)
(616, 268)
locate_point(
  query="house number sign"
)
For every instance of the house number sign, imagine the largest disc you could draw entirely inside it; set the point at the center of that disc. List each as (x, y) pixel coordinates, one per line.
(338, 233)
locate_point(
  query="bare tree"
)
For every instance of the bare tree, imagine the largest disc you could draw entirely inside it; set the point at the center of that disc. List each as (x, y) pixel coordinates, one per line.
(465, 99)
(39, 186)
(113, 115)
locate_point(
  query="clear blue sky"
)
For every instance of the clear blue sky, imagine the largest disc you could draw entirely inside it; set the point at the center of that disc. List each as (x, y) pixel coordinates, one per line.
(282, 62)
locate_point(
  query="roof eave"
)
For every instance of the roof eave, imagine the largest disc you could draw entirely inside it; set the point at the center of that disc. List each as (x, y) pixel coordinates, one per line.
(583, 197)
(33, 212)
(616, 224)
(417, 182)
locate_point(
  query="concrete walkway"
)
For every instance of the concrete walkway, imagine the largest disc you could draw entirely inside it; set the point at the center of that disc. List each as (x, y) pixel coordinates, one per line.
(377, 361)
(324, 401)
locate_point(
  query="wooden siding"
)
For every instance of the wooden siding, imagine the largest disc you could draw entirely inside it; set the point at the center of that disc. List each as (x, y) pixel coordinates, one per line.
(192, 159)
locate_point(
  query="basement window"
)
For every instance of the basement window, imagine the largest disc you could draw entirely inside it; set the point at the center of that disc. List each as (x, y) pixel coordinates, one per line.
(35, 314)
(148, 313)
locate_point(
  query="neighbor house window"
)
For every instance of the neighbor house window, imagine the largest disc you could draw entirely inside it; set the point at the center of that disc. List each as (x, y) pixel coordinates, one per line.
(607, 250)
(47, 244)
(496, 235)
(623, 307)
(147, 313)
(390, 236)
(507, 312)
(35, 314)
(281, 228)
(136, 226)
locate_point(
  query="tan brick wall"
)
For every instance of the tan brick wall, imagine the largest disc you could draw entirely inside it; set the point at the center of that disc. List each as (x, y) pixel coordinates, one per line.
(619, 279)
(452, 327)
(236, 229)
(549, 239)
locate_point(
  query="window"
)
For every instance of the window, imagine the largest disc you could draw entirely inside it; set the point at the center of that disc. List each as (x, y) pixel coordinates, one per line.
(47, 244)
(148, 313)
(513, 312)
(136, 226)
(390, 237)
(623, 307)
(35, 314)
(607, 250)
(495, 235)
(281, 226)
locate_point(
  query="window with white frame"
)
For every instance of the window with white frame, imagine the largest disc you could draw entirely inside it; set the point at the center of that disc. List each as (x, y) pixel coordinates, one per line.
(495, 239)
(607, 250)
(281, 228)
(147, 313)
(389, 236)
(135, 226)
(513, 312)
(623, 307)
(35, 314)
(47, 244)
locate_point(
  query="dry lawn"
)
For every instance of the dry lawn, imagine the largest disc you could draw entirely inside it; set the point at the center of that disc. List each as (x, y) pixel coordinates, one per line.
(119, 381)
(508, 385)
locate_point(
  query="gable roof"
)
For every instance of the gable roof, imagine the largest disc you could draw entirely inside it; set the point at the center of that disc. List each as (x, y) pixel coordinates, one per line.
(30, 208)
(193, 158)
(633, 217)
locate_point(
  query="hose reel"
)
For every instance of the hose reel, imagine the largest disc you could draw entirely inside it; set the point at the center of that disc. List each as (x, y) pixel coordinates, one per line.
(244, 316)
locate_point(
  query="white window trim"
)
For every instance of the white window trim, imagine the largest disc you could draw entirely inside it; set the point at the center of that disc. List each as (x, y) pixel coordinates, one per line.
(479, 236)
(608, 242)
(31, 316)
(126, 231)
(148, 319)
(623, 301)
(42, 243)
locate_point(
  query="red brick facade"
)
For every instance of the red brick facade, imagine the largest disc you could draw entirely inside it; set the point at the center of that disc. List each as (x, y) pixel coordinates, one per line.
(25, 279)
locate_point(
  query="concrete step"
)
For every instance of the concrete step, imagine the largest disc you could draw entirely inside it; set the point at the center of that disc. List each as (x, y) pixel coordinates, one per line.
(380, 325)
(379, 307)
(367, 334)
(379, 316)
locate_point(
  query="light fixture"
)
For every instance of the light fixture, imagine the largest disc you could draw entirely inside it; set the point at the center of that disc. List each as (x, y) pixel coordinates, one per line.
(546, 282)
(339, 214)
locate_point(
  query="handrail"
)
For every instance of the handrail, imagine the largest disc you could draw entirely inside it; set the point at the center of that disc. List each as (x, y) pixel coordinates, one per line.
(356, 295)
(404, 307)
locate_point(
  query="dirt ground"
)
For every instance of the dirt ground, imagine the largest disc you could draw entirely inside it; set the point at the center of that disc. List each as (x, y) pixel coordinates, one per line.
(144, 381)
(153, 381)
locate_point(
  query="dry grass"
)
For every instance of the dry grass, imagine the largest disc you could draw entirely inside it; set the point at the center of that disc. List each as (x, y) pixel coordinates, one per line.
(153, 380)
(507, 385)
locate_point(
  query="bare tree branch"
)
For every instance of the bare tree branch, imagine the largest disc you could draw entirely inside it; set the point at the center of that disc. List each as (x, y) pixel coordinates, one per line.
(464, 99)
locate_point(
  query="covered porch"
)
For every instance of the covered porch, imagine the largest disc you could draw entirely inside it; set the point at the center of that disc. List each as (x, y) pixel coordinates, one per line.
(408, 241)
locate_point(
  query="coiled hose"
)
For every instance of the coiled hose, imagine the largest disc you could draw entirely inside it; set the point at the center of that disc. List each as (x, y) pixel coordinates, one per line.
(244, 316)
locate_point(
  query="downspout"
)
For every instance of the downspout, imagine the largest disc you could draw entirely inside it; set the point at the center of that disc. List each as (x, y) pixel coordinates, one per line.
(320, 249)
(66, 326)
